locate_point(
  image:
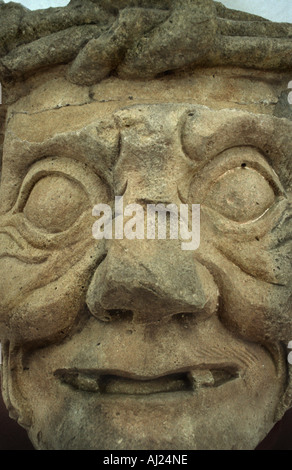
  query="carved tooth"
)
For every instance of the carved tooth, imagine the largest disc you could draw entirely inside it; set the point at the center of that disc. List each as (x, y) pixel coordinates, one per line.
(201, 378)
(90, 384)
(79, 380)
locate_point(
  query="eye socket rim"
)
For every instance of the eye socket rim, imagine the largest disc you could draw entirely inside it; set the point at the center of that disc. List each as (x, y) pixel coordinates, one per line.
(229, 159)
(238, 219)
(81, 173)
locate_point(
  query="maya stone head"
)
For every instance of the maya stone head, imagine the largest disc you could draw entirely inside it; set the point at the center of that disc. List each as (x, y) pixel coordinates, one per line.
(131, 342)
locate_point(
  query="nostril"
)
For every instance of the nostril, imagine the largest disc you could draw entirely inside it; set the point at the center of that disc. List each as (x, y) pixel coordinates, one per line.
(116, 315)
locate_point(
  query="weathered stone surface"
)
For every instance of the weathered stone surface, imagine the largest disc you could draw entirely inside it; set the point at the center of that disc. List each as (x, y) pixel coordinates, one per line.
(137, 40)
(135, 343)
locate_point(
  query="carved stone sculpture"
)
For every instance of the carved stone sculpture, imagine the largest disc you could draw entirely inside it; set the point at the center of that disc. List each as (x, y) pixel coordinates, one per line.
(135, 343)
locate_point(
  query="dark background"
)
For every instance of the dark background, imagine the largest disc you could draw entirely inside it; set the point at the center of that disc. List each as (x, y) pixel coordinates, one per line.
(13, 437)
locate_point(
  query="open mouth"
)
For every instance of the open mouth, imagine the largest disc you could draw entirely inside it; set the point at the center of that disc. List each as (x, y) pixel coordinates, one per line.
(112, 383)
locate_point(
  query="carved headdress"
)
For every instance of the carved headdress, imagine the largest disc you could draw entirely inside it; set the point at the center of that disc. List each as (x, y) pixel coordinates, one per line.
(136, 39)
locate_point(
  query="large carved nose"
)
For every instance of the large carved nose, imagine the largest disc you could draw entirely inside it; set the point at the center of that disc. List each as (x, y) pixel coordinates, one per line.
(149, 281)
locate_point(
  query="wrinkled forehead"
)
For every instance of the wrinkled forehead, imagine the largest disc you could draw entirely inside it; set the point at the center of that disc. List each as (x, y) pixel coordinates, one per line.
(200, 115)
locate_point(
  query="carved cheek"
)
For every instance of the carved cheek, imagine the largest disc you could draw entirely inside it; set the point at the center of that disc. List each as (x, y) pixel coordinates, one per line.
(47, 253)
(243, 213)
(41, 301)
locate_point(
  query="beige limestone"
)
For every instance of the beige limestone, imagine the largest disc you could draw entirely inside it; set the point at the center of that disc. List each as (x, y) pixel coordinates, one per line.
(138, 344)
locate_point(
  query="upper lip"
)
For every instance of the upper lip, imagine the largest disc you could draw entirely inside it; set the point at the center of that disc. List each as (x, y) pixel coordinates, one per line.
(124, 383)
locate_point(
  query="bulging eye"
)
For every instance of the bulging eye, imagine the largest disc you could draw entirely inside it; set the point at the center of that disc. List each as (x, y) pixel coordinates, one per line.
(241, 194)
(55, 203)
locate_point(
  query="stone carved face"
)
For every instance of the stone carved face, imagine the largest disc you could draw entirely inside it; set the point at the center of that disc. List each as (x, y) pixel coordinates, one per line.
(137, 344)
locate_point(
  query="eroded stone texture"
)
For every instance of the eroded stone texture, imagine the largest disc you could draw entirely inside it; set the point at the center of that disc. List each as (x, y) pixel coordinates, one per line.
(138, 344)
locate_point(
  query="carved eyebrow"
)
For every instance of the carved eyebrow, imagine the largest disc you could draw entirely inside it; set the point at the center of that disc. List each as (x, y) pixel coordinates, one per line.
(96, 145)
(207, 133)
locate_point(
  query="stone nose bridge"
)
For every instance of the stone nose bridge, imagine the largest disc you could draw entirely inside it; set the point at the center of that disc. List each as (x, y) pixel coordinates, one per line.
(151, 162)
(150, 280)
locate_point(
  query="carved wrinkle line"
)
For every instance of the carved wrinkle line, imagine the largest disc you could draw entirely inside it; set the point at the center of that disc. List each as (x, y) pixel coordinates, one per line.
(8, 231)
(216, 353)
(243, 356)
(248, 273)
(19, 252)
(282, 242)
(23, 258)
(283, 223)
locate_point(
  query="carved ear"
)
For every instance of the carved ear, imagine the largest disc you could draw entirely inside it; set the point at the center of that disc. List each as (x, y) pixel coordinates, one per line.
(15, 402)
